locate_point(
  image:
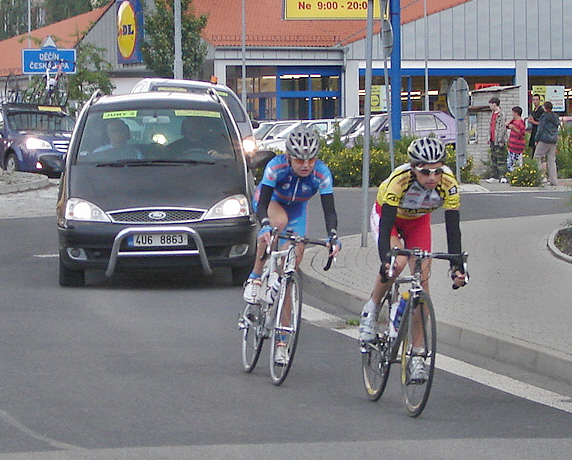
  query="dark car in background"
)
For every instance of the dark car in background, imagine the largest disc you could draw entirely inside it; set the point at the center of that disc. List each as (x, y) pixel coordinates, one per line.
(176, 193)
(34, 138)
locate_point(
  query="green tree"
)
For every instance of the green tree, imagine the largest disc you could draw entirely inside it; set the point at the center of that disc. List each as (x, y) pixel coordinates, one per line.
(58, 10)
(14, 14)
(159, 47)
(92, 73)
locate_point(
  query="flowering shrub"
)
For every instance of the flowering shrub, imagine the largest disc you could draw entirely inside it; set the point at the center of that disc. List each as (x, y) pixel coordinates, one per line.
(527, 175)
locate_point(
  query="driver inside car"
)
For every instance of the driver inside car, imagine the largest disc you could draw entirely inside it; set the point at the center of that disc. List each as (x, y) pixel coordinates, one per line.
(199, 138)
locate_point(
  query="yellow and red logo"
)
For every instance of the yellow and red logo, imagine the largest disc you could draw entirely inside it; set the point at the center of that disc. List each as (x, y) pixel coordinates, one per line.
(126, 29)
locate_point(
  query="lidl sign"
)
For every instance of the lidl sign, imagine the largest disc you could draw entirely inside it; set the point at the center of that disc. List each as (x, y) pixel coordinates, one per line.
(329, 9)
(129, 31)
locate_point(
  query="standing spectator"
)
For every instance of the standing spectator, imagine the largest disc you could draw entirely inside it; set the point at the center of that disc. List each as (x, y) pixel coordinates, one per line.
(546, 139)
(497, 139)
(534, 119)
(516, 142)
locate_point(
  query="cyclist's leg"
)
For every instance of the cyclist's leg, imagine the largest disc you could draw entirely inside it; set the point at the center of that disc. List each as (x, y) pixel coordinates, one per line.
(371, 309)
(297, 223)
(418, 235)
(279, 219)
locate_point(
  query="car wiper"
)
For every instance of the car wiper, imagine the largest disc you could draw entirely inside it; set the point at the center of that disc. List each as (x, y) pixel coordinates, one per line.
(122, 163)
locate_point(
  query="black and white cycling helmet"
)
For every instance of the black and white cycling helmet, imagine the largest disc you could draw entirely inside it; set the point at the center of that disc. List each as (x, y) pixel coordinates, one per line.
(303, 143)
(426, 150)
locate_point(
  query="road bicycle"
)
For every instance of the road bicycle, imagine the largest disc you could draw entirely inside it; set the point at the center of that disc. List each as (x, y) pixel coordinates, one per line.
(50, 88)
(276, 315)
(414, 342)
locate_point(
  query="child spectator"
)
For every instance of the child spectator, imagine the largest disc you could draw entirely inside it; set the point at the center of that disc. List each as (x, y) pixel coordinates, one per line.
(516, 142)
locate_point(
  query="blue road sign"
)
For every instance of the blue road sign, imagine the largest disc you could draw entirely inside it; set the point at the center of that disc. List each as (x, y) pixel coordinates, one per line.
(36, 61)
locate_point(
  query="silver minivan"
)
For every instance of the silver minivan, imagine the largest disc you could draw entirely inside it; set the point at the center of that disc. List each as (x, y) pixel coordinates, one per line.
(200, 87)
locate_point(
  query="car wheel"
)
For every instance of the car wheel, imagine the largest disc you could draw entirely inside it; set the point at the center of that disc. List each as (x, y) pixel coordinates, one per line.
(70, 277)
(239, 274)
(11, 164)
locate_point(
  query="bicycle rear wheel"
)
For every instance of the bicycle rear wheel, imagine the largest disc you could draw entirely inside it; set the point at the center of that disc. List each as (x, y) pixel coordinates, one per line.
(375, 362)
(418, 350)
(251, 322)
(284, 337)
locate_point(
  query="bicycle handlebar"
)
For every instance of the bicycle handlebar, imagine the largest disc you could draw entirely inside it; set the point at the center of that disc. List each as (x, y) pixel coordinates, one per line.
(291, 236)
(421, 254)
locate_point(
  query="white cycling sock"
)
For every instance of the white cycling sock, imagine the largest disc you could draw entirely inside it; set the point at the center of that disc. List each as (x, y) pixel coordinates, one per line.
(369, 308)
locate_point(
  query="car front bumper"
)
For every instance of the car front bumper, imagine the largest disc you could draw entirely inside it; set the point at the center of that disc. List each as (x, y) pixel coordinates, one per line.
(224, 242)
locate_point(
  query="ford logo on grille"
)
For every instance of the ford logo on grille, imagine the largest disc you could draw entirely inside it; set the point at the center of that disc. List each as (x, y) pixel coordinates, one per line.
(157, 215)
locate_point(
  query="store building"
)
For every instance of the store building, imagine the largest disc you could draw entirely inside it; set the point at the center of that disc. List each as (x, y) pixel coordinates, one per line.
(315, 69)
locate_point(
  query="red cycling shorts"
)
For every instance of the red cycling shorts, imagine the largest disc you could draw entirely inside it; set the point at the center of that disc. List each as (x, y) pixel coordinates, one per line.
(415, 233)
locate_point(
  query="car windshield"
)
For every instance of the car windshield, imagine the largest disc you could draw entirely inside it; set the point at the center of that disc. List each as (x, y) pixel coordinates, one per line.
(155, 136)
(40, 121)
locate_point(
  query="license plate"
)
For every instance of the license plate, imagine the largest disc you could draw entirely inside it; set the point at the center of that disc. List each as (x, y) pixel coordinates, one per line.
(158, 239)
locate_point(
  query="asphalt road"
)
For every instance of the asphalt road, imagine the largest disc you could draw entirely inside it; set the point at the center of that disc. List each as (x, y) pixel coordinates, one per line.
(149, 366)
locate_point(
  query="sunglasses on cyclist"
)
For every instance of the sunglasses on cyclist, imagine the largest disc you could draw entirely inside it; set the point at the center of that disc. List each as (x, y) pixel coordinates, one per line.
(428, 171)
(300, 162)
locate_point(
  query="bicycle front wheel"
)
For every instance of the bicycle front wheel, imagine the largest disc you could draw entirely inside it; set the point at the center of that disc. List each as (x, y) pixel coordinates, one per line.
(375, 362)
(251, 323)
(418, 353)
(286, 329)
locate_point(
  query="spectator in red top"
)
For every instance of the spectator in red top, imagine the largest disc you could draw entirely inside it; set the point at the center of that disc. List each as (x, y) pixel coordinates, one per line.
(516, 142)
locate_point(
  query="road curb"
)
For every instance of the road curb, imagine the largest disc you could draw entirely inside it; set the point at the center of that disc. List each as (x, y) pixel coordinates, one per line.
(554, 249)
(509, 350)
(23, 182)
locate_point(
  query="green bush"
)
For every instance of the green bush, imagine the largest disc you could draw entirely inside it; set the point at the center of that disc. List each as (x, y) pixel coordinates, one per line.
(564, 152)
(527, 175)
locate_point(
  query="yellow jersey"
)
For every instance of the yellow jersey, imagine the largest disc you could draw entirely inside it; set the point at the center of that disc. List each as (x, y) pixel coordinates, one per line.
(401, 189)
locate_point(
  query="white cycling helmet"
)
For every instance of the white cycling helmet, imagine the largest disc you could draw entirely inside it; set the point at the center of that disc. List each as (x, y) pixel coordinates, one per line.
(426, 150)
(303, 143)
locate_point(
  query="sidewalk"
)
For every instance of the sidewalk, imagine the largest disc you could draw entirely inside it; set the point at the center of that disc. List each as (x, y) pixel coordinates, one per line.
(516, 307)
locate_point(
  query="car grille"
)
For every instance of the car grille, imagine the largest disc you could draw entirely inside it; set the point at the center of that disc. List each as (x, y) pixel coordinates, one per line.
(143, 216)
(61, 146)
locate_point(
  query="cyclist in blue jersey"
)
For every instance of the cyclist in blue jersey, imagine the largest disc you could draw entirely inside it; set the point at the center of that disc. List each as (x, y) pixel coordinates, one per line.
(288, 183)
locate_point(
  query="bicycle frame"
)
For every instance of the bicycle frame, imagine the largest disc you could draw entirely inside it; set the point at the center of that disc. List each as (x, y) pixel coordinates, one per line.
(414, 346)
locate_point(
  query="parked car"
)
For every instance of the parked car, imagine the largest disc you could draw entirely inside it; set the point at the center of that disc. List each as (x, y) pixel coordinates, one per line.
(270, 130)
(278, 140)
(150, 197)
(413, 123)
(34, 138)
(192, 86)
(346, 126)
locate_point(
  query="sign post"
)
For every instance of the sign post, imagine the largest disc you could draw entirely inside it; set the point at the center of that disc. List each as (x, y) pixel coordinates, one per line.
(458, 101)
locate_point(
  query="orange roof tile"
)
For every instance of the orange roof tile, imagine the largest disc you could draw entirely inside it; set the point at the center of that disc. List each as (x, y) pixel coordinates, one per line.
(265, 25)
(63, 32)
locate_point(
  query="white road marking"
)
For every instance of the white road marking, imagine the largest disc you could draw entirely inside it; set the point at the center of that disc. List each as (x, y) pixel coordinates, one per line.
(9, 420)
(45, 256)
(465, 370)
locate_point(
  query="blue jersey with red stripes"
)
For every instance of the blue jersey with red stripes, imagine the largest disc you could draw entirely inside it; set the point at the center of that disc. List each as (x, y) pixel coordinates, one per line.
(289, 188)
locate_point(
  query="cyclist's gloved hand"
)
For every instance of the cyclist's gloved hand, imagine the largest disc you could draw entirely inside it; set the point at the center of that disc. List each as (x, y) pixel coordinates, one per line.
(383, 271)
(458, 276)
(265, 233)
(334, 244)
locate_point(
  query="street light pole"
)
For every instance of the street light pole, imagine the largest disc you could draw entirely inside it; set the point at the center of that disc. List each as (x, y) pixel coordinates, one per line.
(243, 39)
(178, 63)
(426, 55)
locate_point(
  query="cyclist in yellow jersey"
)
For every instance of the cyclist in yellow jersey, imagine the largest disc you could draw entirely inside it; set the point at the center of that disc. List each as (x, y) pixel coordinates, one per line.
(402, 217)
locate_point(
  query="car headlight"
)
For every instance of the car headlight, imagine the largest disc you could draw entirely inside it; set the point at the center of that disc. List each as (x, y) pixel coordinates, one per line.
(33, 143)
(233, 206)
(249, 144)
(78, 209)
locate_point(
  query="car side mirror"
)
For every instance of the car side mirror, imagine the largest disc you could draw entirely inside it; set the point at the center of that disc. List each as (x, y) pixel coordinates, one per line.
(255, 124)
(259, 159)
